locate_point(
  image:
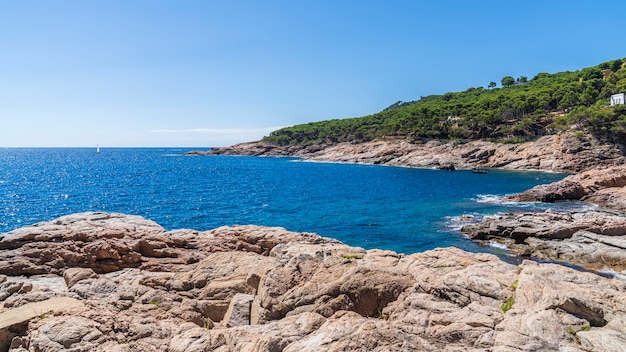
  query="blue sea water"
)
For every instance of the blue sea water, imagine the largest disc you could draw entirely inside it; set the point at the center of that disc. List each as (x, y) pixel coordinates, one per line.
(401, 209)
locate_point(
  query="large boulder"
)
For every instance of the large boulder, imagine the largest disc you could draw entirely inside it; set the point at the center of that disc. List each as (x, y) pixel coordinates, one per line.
(594, 185)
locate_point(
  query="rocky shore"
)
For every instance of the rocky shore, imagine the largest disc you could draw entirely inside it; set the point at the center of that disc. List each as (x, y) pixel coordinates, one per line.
(594, 239)
(113, 282)
(564, 152)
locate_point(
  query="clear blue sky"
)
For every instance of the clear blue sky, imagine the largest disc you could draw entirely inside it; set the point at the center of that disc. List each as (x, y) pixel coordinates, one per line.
(213, 73)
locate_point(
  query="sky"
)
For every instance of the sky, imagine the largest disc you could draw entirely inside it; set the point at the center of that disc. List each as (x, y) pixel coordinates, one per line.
(154, 73)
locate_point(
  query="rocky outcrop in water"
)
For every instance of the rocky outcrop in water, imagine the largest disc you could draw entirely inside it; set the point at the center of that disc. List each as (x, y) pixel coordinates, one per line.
(592, 239)
(595, 239)
(562, 152)
(601, 185)
(112, 282)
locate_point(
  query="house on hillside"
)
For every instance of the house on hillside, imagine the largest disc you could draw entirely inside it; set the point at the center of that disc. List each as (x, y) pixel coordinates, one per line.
(617, 99)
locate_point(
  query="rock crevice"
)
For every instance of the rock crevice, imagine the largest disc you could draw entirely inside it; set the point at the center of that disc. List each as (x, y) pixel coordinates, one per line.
(267, 289)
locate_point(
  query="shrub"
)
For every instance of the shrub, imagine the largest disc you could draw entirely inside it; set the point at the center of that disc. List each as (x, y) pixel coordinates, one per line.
(507, 305)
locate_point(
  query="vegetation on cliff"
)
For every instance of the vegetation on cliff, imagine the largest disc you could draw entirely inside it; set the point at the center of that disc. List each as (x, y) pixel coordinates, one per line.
(521, 110)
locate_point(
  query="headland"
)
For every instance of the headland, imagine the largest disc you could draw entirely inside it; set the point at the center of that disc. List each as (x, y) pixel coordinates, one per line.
(114, 282)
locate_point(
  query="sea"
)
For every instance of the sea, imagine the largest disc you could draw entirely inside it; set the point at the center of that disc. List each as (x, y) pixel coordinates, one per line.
(406, 210)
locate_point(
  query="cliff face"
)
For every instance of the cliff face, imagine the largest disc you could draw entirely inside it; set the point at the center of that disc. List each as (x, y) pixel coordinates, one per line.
(123, 283)
(563, 152)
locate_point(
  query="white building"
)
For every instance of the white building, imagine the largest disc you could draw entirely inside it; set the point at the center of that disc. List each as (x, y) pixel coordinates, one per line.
(617, 99)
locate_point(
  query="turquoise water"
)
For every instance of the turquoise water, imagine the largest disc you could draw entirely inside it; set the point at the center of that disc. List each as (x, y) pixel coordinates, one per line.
(401, 209)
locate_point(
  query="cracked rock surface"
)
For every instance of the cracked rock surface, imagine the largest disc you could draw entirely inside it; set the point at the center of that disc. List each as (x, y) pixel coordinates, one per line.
(593, 238)
(251, 288)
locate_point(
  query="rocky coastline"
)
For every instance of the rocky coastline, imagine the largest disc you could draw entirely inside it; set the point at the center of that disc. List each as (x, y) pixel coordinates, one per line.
(113, 282)
(565, 152)
(593, 238)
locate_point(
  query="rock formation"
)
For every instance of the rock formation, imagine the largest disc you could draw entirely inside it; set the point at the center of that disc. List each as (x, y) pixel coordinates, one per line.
(250, 288)
(595, 239)
(562, 152)
(600, 185)
(592, 239)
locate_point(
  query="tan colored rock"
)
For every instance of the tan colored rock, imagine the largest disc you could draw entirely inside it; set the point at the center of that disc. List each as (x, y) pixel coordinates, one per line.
(611, 197)
(12, 321)
(612, 338)
(274, 336)
(319, 279)
(107, 242)
(74, 275)
(554, 304)
(348, 331)
(582, 186)
(585, 248)
(456, 299)
(593, 239)
(302, 292)
(562, 152)
(238, 312)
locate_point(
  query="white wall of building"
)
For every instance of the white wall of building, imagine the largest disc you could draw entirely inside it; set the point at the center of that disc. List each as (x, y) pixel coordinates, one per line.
(617, 99)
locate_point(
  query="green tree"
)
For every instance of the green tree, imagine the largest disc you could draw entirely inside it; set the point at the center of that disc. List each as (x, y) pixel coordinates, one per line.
(525, 111)
(523, 79)
(615, 65)
(591, 73)
(507, 81)
(588, 96)
(569, 100)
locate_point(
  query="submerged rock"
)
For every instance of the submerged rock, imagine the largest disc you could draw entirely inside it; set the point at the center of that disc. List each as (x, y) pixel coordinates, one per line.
(250, 288)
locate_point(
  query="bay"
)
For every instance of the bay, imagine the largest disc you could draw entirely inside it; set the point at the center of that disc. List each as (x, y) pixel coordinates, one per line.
(401, 209)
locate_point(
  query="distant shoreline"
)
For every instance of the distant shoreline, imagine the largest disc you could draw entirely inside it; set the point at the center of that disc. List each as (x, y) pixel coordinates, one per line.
(599, 174)
(566, 152)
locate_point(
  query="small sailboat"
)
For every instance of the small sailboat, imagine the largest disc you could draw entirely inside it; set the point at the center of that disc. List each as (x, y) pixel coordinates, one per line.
(98, 148)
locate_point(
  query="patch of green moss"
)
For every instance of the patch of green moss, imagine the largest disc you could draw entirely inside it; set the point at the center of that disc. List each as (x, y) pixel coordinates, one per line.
(352, 256)
(507, 305)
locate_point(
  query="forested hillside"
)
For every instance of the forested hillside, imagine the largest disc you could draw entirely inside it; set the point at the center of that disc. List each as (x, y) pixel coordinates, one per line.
(519, 110)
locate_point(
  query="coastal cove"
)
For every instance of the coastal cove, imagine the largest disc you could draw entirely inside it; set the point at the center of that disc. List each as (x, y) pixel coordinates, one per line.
(107, 281)
(312, 177)
(407, 210)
